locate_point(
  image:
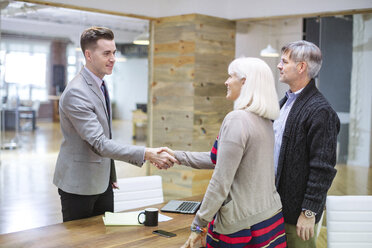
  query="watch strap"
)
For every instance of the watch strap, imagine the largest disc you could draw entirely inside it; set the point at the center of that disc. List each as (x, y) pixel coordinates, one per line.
(198, 229)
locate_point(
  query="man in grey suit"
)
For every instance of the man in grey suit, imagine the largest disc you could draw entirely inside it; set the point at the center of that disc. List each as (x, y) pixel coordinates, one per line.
(85, 171)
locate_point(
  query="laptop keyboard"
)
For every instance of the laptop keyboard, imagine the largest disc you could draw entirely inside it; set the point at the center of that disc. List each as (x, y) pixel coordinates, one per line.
(187, 207)
(184, 207)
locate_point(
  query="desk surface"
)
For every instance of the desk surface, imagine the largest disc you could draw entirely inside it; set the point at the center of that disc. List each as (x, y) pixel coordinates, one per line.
(91, 232)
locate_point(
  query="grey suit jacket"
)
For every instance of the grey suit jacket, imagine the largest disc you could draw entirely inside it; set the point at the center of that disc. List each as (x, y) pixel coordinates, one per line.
(84, 165)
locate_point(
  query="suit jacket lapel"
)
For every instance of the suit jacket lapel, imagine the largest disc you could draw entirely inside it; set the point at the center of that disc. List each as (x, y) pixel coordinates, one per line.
(94, 87)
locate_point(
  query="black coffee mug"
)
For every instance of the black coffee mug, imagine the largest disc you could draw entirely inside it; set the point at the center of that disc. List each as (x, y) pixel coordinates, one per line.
(151, 217)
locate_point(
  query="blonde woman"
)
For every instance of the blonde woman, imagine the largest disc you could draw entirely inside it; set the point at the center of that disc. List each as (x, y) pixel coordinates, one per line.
(241, 205)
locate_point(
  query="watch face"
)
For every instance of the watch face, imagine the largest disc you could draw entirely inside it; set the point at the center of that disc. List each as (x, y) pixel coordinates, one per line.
(309, 213)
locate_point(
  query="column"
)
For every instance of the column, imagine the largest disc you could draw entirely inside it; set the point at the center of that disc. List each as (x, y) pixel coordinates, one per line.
(189, 57)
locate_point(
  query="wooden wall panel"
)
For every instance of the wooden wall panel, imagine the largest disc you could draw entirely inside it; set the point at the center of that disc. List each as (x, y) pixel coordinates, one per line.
(208, 88)
(173, 89)
(169, 73)
(181, 47)
(191, 54)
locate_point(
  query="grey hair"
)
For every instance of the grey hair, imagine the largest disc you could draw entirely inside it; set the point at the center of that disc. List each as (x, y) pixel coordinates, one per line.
(305, 51)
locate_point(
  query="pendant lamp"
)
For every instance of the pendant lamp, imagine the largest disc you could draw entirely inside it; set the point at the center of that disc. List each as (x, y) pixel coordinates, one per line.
(269, 51)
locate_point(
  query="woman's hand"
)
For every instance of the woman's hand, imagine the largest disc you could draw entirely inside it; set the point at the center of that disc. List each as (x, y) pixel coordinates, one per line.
(167, 150)
(194, 239)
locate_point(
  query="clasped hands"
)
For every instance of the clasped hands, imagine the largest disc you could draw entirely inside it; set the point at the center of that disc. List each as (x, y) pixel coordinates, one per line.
(161, 158)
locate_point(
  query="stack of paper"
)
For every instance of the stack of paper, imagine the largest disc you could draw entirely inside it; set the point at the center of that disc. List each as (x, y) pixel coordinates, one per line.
(114, 219)
(127, 218)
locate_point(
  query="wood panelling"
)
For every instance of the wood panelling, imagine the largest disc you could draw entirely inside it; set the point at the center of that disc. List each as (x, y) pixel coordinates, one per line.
(191, 54)
(165, 73)
(181, 47)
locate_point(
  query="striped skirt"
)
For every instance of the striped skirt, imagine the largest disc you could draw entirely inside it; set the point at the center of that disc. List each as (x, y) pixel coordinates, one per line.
(269, 233)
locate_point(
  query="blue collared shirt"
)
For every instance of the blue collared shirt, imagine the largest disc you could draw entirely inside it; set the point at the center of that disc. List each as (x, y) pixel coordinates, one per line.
(279, 124)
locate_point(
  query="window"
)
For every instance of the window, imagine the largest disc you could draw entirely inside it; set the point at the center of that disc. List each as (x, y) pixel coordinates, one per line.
(25, 67)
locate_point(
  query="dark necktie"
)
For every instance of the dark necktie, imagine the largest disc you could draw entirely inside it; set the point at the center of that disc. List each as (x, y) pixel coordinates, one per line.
(107, 99)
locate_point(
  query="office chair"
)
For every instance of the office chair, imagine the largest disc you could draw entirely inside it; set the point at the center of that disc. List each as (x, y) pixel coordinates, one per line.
(136, 192)
(349, 221)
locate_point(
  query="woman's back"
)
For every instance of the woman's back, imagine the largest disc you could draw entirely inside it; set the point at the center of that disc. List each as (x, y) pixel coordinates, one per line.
(244, 170)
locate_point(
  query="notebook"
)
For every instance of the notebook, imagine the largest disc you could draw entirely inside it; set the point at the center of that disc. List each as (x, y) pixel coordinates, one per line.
(184, 207)
(127, 218)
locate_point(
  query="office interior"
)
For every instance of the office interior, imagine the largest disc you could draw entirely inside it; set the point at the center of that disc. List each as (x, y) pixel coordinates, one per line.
(39, 55)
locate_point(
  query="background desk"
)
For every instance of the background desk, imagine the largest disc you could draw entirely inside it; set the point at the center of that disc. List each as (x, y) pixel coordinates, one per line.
(91, 232)
(11, 118)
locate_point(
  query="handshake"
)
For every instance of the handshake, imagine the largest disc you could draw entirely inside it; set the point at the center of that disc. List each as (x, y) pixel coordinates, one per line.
(161, 158)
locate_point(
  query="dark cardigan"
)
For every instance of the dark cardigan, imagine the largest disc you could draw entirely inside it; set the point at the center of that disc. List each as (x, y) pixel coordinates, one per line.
(307, 155)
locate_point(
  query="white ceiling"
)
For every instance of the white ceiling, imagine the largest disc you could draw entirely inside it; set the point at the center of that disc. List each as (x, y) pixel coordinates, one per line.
(41, 20)
(228, 9)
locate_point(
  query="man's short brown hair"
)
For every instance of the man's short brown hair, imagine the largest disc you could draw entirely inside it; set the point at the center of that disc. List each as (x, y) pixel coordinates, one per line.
(91, 35)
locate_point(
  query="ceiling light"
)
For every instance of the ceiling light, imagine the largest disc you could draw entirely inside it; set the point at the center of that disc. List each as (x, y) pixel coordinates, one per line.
(121, 59)
(269, 51)
(142, 39)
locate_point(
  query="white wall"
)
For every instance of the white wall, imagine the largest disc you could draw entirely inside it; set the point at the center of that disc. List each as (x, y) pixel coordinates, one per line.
(360, 132)
(130, 86)
(229, 9)
(252, 37)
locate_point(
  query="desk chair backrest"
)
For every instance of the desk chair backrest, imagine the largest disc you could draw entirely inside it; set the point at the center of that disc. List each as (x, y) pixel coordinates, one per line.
(136, 192)
(349, 221)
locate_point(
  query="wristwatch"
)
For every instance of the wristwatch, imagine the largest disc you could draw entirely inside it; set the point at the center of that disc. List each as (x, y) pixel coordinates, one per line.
(308, 213)
(198, 229)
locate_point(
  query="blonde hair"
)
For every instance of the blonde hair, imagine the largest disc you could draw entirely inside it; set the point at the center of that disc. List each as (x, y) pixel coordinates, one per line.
(258, 93)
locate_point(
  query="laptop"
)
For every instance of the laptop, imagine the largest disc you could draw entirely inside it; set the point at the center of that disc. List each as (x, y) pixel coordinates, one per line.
(183, 207)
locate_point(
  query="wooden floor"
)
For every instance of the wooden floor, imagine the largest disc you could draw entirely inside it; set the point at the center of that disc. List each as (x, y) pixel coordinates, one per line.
(28, 198)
